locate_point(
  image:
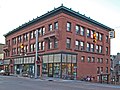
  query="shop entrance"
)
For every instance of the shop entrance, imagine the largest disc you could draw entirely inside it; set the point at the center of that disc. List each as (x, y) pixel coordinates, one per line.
(50, 69)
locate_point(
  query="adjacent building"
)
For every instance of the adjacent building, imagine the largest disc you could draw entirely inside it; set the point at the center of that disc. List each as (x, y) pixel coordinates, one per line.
(1, 56)
(65, 46)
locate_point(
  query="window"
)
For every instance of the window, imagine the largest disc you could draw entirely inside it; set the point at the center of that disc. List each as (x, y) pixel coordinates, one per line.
(34, 47)
(42, 45)
(77, 29)
(77, 45)
(106, 61)
(93, 59)
(82, 58)
(49, 44)
(68, 26)
(82, 31)
(14, 41)
(101, 70)
(92, 33)
(92, 47)
(88, 46)
(88, 59)
(55, 43)
(82, 45)
(107, 39)
(100, 49)
(68, 43)
(41, 31)
(101, 60)
(31, 35)
(50, 27)
(98, 70)
(100, 36)
(98, 60)
(39, 46)
(106, 50)
(19, 39)
(56, 25)
(18, 49)
(97, 37)
(97, 48)
(88, 33)
(31, 47)
(25, 37)
(106, 69)
(34, 34)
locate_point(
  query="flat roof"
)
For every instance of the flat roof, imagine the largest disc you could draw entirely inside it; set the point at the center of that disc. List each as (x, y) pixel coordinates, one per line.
(56, 11)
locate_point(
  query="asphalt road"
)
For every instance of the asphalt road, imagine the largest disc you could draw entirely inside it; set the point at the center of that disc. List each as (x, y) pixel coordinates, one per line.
(19, 83)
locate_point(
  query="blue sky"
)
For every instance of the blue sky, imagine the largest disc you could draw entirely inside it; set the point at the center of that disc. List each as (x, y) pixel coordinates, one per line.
(13, 13)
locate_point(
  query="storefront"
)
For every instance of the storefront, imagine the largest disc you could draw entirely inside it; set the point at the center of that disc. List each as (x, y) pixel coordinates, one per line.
(60, 65)
(6, 65)
(24, 65)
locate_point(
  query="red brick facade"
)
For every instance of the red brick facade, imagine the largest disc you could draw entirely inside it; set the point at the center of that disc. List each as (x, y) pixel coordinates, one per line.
(92, 59)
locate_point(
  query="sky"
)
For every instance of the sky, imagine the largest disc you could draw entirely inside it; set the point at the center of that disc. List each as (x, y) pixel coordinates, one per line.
(14, 13)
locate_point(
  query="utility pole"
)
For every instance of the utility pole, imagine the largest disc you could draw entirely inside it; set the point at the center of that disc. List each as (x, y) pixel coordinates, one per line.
(36, 55)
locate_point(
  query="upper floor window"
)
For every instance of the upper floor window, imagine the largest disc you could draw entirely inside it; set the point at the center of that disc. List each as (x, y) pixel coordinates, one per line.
(31, 35)
(42, 45)
(25, 37)
(106, 69)
(39, 45)
(107, 39)
(92, 33)
(106, 61)
(100, 36)
(88, 33)
(97, 48)
(19, 39)
(41, 31)
(34, 33)
(88, 46)
(68, 26)
(82, 45)
(76, 44)
(92, 47)
(97, 35)
(68, 43)
(55, 43)
(106, 50)
(50, 27)
(56, 25)
(77, 29)
(88, 59)
(14, 40)
(82, 58)
(49, 44)
(93, 59)
(82, 30)
(100, 49)
(31, 48)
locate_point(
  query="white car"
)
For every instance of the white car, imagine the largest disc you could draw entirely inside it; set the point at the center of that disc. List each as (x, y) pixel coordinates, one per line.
(2, 72)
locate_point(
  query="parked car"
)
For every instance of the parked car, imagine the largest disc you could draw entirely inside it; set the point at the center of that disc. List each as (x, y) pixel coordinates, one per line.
(3, 72)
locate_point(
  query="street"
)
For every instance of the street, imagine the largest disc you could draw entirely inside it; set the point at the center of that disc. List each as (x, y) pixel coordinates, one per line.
(22, 83)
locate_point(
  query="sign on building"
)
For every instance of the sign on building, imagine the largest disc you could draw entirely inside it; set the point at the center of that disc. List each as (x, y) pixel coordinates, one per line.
(111, 34)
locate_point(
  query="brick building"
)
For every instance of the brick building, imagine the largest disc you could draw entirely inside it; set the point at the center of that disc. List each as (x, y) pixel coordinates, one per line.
(1, 56)
(65, 46)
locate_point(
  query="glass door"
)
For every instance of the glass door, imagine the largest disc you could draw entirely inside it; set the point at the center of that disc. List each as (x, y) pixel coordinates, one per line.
(50, 70)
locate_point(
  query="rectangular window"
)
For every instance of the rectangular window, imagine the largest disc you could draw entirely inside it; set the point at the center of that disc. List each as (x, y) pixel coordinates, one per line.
(98, 70)
(106, 61)
(106, 50)
(43, 45)
(88, 59)
(97, 35)
(82, 45)
(77, 29)
(55, 43)
(39, 46)
(107, 39)
(56, 25)
(68, 26)
(49, 44)
(101, 60)
(50, 27)
(82, 58)
(100, 36)
(92, 33)
(100, 49)
(88, 46)
(97, 48)
(92, 47)
(82, 30)
(106, 69)
(31, 35)
(88, 33)
(68, 43)
(77, 45)
(93, 59)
